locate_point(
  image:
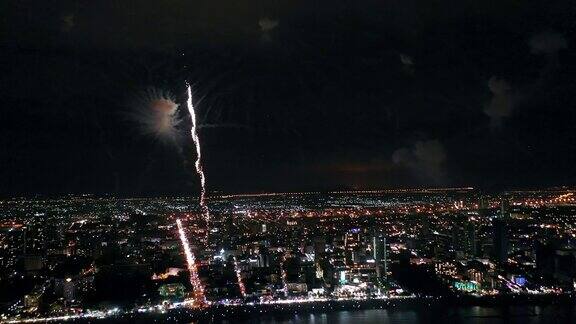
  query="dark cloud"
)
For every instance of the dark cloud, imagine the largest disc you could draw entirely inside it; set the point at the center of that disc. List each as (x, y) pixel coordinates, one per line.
(547, 43)
(407, 63)
(267, 25)
(502, 103)
(425, 158)
(406, 60)
(68, 22)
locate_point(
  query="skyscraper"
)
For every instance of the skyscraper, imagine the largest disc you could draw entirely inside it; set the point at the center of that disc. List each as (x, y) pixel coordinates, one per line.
(380, 255)
(500, 235)
(483, 206)
(504, 208)
(319, 245)
(472, 246)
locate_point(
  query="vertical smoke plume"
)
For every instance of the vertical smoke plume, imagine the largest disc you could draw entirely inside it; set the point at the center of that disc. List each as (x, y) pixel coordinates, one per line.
(424, 158)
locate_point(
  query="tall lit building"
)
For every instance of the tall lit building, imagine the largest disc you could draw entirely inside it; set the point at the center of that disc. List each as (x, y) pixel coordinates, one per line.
(352, 246)
(471, 240)
(482, 203)
(504, 208)
(500, 235)
(319, 245)
(216, 226)
(380, 255)
(483, 206)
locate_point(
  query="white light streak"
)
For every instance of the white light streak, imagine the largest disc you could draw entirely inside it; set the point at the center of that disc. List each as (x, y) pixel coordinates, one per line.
(198, 163)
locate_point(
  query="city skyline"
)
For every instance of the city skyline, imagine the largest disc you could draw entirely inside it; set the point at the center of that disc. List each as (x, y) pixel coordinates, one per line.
(278, 253)
(288, 161)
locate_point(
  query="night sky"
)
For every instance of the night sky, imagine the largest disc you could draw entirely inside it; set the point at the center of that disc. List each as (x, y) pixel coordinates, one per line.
(291, 95)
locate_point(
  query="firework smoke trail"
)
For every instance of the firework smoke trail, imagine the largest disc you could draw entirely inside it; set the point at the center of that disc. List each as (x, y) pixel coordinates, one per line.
(198, 163)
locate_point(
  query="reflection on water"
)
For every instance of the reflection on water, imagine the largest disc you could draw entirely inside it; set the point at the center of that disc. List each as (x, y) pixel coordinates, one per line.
(552, 314)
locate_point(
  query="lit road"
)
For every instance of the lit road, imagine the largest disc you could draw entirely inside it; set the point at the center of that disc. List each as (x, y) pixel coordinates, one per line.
(192, 268)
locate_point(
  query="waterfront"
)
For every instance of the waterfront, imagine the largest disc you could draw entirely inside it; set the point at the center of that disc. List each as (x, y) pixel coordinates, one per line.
(431, 314)
(418, 311)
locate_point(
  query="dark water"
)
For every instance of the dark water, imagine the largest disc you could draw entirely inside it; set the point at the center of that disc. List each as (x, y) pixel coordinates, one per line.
(557, 314)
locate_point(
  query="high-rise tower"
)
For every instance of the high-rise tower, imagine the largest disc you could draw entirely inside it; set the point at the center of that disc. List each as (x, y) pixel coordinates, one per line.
(380, 255)
(500, 235)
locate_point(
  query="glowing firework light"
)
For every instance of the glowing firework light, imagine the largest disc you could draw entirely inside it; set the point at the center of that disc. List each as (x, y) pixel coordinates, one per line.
(200, 172)
(192, 268)
(198, 163)
(155, 112)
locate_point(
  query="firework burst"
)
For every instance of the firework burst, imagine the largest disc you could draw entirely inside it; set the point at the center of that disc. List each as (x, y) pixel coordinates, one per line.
(156, 112)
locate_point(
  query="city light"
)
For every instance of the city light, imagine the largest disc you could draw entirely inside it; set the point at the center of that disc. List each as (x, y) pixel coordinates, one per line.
(192, 267)
(238, 272)
(278, 245)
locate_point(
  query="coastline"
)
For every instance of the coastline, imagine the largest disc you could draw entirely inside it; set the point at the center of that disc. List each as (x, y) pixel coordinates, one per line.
(233, 313)
(454, 306)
